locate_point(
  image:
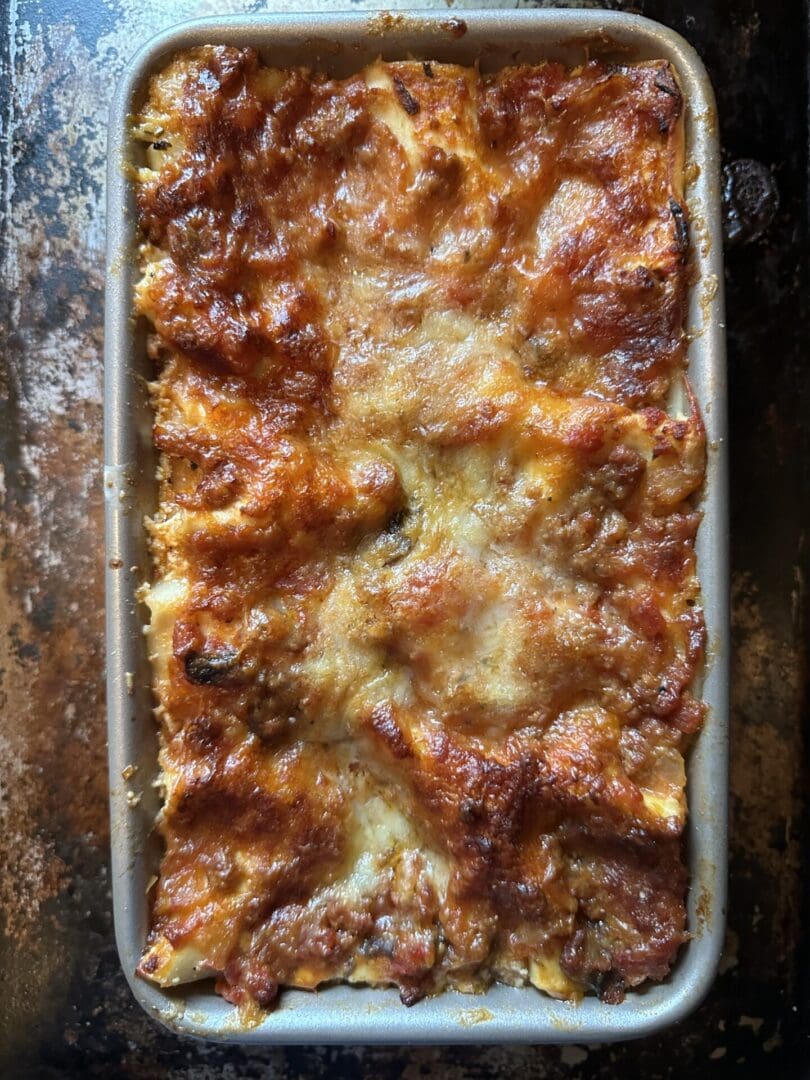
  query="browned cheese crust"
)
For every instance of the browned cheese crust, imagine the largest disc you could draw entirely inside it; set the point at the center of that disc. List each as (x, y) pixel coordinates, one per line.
(424, 610)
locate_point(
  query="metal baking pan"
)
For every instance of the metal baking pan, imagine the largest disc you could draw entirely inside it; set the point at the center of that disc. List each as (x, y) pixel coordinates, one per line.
(341, 43)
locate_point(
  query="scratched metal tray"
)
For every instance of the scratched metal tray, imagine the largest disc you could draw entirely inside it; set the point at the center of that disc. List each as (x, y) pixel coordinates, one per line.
(341, 43)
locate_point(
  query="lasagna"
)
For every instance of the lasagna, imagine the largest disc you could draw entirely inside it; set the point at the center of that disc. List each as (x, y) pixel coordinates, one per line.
(424, 617)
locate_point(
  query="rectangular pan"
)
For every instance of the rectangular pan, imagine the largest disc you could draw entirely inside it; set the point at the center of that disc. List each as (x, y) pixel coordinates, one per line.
(340, 44)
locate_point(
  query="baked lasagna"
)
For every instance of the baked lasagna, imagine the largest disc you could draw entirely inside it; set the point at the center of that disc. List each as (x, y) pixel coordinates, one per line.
(424, 617)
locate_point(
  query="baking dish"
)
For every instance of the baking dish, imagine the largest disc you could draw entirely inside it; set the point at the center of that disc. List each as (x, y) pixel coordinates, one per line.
(339, 44)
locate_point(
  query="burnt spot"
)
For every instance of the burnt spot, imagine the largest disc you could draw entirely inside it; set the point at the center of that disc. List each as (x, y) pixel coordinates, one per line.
(406, 98)
(395, 522)
(379, 946)
(610, 987)
(641, 278)
(394, 541)
(665, 82)
(212, 668)
(470, 810)
(666, 105)
(427, 67)
(410, 993)
(481, 847)
(681, 226)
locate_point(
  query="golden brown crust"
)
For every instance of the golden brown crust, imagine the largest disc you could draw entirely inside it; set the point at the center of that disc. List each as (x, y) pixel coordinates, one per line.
(425, 617)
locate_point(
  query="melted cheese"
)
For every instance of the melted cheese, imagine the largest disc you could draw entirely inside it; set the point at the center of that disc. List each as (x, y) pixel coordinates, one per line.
(423, 619)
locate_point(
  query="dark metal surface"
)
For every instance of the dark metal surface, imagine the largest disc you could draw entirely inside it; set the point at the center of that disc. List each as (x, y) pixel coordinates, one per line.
(65, 1008)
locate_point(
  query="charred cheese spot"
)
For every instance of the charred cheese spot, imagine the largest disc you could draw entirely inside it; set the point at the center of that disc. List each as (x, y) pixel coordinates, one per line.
(424, 619)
